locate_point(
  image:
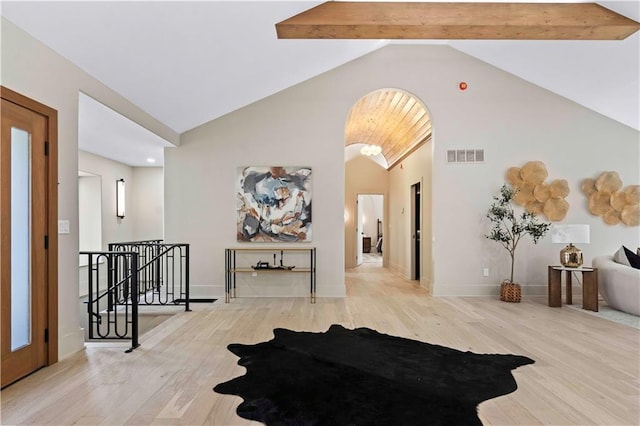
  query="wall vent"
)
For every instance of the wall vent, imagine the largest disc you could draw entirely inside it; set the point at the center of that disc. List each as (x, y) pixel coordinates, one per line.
(465, 156)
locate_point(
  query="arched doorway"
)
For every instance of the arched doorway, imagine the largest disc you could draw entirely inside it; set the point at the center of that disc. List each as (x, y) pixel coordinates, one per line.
(397, 125)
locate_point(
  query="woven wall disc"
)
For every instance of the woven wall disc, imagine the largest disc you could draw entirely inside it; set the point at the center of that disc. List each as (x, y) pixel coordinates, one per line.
(542, 192)
(559, 188)
(514, 178)
(535, 207)
(630, 215)
(609, 182)
(524, 194)
(555, 209)
(632, 194)
(588, 186)
(612, 217)
(534, 172)
(599, 203)
(618, 200)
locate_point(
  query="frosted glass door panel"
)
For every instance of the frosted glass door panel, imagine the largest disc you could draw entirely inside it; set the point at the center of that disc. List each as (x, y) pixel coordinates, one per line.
(20, 239)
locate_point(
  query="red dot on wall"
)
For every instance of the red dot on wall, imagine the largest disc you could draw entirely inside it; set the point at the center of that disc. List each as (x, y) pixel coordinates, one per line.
(463, 85)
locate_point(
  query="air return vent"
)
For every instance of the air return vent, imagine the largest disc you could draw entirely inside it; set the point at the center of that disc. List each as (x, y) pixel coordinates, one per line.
(465, 156)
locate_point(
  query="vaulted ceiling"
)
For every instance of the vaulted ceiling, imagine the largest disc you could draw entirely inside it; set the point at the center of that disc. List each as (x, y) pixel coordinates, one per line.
(186, 63)
(391, 119)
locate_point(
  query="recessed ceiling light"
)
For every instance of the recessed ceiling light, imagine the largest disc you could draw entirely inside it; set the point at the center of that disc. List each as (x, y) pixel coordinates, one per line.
(151, 160)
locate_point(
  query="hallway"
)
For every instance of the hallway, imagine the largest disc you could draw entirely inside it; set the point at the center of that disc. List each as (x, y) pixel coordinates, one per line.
(371, 279)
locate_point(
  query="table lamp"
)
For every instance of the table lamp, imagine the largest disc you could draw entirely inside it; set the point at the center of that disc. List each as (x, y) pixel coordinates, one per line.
(570, 256)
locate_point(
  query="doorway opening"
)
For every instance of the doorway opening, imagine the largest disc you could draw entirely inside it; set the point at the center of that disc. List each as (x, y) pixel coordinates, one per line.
(388, 149)
(370, 208)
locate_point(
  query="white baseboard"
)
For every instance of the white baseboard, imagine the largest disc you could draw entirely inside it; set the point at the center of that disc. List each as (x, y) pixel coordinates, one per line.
(485, 290)
(70, 342)
(264, 290)
(211, 291)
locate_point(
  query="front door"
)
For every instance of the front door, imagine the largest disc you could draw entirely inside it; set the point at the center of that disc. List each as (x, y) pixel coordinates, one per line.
(23, 246)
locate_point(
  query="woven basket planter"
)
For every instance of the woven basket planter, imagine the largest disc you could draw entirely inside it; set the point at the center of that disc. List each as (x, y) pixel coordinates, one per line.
(510, 292)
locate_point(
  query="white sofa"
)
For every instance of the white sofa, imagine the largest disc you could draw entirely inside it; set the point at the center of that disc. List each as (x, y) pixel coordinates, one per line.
(619, 284)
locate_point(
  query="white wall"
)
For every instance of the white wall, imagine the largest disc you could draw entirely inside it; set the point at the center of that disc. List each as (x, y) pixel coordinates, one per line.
(200, 183)
(89, 214)
(514, 121)
(148, 203)
(416, 168)
(144, 199)
(114, 229)
(34, 70)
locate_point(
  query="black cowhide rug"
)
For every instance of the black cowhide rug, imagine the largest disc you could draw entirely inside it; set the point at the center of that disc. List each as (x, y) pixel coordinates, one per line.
(362, 377)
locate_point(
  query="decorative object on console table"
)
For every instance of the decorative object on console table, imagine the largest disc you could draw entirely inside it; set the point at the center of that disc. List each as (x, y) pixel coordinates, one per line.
(570, 256)
(265, 265)
(274, 204)
(507, 230)
(262, 265)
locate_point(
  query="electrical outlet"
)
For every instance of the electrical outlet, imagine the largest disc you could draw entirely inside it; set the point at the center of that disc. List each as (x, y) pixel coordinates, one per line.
(485, 272)
(254, 274)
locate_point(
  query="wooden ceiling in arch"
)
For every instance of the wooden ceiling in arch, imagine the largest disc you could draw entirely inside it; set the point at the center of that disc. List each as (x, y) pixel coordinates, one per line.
(391, 119)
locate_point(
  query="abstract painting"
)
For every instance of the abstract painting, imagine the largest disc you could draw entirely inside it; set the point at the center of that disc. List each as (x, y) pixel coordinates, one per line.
(274, 204)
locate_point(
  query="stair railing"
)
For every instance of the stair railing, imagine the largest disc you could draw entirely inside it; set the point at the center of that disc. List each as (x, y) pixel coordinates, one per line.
(137, 273)
(112, 311)
(163, 275)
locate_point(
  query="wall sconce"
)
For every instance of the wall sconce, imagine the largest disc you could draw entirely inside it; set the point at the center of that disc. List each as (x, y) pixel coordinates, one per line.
(120, 196)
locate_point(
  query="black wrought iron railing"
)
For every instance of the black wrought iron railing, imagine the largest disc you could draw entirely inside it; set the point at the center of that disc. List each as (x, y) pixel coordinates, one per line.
(160, 277)
(112, 309)
(163, 275)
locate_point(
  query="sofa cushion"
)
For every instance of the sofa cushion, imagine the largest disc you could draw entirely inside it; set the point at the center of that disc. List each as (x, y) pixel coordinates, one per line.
(625, 256)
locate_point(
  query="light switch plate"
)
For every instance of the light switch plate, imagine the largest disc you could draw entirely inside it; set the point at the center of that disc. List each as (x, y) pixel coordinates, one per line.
(63, 227)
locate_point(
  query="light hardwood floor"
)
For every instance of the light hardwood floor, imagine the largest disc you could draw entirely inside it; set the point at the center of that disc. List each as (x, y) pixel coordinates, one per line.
(586, 370)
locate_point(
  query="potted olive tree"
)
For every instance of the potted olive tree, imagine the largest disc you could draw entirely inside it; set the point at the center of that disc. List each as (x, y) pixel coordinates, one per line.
(508, 228)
